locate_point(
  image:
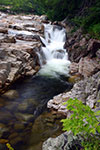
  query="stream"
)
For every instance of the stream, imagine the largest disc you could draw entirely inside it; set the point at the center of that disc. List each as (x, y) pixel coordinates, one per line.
(24, 119)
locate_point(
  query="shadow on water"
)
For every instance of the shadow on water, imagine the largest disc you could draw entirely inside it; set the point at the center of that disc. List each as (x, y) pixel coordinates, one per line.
(23, 116)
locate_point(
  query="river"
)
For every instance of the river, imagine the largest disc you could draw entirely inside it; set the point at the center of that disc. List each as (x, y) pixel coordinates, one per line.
(23, 114)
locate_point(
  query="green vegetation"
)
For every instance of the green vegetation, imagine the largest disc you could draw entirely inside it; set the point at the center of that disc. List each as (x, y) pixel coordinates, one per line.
(90, 21)
(83, 13)
(82, 122)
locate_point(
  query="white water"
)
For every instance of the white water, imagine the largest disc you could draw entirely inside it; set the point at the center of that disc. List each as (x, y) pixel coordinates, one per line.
(54, 55)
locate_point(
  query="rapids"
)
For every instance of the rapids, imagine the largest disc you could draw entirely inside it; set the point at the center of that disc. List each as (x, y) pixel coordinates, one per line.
(53, 57)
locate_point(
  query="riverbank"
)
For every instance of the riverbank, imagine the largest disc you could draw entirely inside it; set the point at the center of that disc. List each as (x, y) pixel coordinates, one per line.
(19, 44)
(24, 94)
(84, 53)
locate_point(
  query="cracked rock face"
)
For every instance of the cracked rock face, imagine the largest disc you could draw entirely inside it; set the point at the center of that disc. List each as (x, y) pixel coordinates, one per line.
(19, 43)
(87, 90)
(65, 141)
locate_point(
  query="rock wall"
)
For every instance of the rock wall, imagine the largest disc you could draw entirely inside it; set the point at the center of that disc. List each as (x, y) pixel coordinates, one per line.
(83, 52)
(87, 90)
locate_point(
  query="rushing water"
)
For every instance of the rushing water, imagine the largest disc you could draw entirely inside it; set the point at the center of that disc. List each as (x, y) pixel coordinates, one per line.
(53, 57)
(24, 120)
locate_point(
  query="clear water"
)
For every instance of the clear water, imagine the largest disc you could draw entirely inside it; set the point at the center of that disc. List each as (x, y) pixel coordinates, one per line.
(26, 110)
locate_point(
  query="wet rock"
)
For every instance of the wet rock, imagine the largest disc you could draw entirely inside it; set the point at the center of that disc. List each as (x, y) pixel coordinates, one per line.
(74, 68)
(37, 37)
(30, 73)
(37, 68)
(19, 47)
(5, 116)
(64, 141)
(22, 107)
(74, 78)
(11, 94)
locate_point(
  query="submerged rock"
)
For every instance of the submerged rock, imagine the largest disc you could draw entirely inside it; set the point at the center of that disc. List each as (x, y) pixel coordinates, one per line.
(16, 140)
(11, 94)
(3, 129)
(19, 126)
(24, 117)
(5, 116)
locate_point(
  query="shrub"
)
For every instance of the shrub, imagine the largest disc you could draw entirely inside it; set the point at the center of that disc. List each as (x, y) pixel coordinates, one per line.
(83, 122)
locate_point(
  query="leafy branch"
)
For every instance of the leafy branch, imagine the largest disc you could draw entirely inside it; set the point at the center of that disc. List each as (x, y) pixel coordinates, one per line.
(83, 122)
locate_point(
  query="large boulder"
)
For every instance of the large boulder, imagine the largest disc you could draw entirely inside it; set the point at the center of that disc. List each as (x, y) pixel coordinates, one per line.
(86, 66)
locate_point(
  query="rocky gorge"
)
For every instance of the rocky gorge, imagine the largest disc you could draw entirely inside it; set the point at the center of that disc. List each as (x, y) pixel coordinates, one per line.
(23, 93)
(84, 54)
(19, 44)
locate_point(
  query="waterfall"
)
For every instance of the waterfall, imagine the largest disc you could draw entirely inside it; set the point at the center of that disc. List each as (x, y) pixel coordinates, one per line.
(53, 57)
